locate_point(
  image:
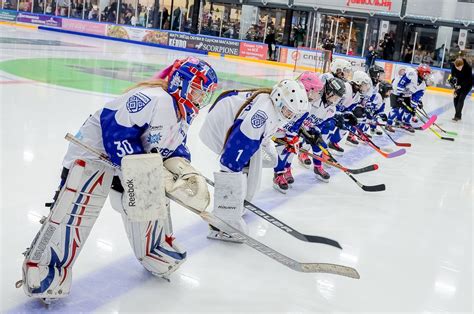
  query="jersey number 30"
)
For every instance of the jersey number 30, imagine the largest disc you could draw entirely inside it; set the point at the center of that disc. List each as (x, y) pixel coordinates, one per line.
(123, 148)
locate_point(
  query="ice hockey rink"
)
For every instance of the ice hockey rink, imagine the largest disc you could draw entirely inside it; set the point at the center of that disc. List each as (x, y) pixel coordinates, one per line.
(412, 244)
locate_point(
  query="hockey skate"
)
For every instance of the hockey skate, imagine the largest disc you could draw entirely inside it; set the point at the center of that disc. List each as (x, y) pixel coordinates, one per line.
(408, 128)
(389, 128)
(279, 182)
(321, 174)
(289, 176)
(304, 160)
(336, 149)
(351, 139)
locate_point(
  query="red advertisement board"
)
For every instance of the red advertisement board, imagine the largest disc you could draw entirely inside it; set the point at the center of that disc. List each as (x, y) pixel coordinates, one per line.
(254, 51)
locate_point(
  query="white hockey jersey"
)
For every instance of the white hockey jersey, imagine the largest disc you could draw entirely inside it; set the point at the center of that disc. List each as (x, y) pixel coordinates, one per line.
(409, 85)
(142, 120)
(237, 138)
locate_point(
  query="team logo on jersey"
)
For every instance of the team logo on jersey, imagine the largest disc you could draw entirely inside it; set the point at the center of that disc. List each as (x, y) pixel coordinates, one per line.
(137, 102)
(153, 138)
(258, 119)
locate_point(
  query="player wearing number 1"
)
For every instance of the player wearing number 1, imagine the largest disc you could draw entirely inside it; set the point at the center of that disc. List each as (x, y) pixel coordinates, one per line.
(238, 124)
(144, 131)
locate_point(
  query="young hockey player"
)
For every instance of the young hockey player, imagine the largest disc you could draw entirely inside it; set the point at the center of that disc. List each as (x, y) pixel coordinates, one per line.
(375, 105)
(235, 128)
(141, 131)
(309, 126)
(357, 86)
(409, 89)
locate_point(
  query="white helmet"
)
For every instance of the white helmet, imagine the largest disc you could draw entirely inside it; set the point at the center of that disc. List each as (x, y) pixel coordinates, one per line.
(362, 80)
(290, 99)
(344, 67)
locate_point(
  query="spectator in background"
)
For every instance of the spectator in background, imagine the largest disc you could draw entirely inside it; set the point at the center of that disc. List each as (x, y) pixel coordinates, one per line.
(370, 58)
(388, 46)
(165, 17)
(461, 80)
(427, 59)
(408, 55)
(271, 42)
(299, 36)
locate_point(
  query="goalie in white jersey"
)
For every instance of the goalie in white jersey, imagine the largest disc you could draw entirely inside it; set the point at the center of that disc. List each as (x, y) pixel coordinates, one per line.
(142, 131)
(236, 127)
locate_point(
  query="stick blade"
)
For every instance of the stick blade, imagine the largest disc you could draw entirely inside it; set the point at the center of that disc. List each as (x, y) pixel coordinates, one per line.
(321, 240)
(373, 188)
(330, 269)
(429, 122)
(447, 138)
(403, 144)
(396, 153)
(451, 133)
(364, 169)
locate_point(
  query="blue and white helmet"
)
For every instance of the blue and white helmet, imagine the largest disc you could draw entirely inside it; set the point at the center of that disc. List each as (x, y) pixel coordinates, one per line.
(191, 82)
(290, 99)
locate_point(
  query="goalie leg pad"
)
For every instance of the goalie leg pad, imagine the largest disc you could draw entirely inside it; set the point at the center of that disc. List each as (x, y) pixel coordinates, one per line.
(49, 260)
(154, 245)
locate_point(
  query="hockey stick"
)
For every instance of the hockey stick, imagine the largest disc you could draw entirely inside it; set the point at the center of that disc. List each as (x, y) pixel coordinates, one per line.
(367, 188)
(251, 207)
(333, 163)
(435, 132)
(282, 226)
(224, 226)
(367, 140)
(423, 112)
(426, 124)
(395, 142)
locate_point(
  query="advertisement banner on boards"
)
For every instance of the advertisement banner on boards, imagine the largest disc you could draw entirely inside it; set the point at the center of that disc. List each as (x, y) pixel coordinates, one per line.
(137, 34)
(84, 27)
(254, 51)
(6, 15)
(219, 45)
(45, 20)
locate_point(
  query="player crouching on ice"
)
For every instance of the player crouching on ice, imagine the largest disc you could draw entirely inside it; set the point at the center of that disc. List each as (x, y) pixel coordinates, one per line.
(144, 131)
(312, 127)
(375, 105)
(409, 89)
(238, 124)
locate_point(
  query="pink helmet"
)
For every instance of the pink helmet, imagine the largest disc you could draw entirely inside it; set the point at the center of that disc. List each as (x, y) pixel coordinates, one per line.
(312, 83)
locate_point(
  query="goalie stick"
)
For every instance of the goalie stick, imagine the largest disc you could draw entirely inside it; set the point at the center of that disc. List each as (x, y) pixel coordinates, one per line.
(224, 226)
(333, 163)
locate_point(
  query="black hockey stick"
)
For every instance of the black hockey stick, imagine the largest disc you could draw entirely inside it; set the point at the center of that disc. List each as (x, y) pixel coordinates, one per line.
(229, 229)
(367, 188)
(282, 226)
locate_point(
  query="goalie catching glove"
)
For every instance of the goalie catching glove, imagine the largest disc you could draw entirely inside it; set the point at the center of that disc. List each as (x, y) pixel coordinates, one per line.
(185, 183)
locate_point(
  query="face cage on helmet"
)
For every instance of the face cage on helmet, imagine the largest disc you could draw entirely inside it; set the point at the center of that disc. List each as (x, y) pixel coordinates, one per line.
(198, 96)
(286, 113)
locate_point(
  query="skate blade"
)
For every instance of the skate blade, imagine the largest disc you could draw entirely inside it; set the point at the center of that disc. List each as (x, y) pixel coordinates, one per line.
(276, 187)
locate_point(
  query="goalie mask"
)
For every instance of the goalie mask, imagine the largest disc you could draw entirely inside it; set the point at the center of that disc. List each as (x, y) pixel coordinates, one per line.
(191, 82)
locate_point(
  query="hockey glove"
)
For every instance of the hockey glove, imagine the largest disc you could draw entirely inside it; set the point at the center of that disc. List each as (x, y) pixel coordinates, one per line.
(312, 137)
(350, 119)
(383, 117)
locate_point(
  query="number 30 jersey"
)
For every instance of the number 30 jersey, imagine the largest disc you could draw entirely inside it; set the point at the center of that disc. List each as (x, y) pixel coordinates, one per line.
(141, 120)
